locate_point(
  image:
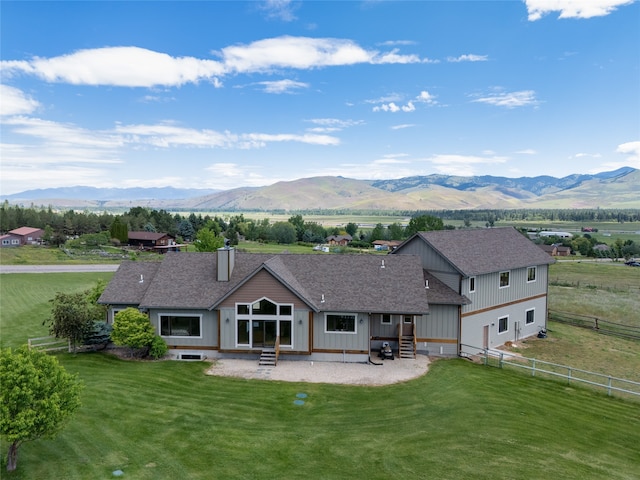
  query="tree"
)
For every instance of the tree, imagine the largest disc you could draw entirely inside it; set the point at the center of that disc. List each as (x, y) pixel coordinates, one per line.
(283, 232)
(207, 240)
(37, 396)
(119, 230)
(131, 328)
(351, 228)
(73, 314)
(423, 223)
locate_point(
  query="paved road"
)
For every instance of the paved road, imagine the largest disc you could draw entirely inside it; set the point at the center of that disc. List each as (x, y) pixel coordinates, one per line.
(57, 268)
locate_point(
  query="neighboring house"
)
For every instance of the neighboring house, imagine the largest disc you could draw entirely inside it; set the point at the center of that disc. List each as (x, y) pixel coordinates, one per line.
(385, 244)
(502, 274)
(22, 236)
(151, 240)
(341, 240)
(313, 307)
(563, 251)
(549, 249)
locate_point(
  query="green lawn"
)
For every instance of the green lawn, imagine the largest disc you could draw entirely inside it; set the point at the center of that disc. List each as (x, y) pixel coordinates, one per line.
(167, 420)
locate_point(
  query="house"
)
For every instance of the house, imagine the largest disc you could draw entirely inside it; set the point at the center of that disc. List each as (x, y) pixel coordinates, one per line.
(563, 251)
(385, 244)
(341, 240)
(313, 307)
(549, 249)
(151, 240)
(501, 274)
(22, 236)
(438, 293)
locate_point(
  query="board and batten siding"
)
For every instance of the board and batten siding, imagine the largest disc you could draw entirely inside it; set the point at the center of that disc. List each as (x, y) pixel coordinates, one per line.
(488, 292)
(341, 341)
(474, 324)
(433, 262)
(208, 328)
(262, 285)
(437, 333)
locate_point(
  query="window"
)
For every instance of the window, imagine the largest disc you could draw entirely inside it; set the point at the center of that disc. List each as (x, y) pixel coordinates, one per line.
(504, 279)
(5, 241)
(340, 323)
(180, 326)
(531, 274)
(386, 319)
(503, 324)
(529, 317)
(472, 284)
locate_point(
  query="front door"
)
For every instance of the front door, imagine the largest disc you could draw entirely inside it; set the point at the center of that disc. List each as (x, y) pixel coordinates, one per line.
(264, 333)
(407, 325)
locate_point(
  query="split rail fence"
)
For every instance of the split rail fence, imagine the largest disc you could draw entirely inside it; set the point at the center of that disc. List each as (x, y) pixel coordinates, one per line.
(540, 368)
(49, 344)
(599, 325)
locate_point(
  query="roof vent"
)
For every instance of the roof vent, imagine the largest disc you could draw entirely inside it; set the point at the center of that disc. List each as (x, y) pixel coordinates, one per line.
(426, 284)
(382, 266)
(141, 279)
(322, 298)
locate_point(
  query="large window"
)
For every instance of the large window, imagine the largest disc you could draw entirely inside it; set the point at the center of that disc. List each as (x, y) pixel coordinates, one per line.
(504, 279)
(503, 324)
(260, 322)
(531, 274)
(180, 326)
(529, 317)
(340, 323)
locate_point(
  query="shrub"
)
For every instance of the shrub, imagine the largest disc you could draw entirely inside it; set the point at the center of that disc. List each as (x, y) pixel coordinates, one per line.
(158, 348)
(132, 329)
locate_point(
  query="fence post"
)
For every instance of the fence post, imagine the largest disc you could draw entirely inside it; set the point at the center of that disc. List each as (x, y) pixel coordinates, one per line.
(533, 367)
(609, 386)
(501, 358)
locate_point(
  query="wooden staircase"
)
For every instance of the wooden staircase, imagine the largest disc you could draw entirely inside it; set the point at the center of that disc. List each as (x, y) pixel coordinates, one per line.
(406, 342)
(407, 347)
(268, 357)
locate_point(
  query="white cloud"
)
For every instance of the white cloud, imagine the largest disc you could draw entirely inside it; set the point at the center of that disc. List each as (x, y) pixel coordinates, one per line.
(130, 66)
(14, 101)
(119, 66)
(573, 8)
(283, 86)
(527, 151)
(632, 152)
(279, 9)
(468, 58)
(423, 97)
(510, 99)
(462, 165)
(402, 126)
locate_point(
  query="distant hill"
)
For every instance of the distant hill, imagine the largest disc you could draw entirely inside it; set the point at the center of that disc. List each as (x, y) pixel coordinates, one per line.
(615, 189)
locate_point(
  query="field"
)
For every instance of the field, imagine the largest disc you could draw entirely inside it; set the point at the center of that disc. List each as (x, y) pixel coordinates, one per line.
(167, 420)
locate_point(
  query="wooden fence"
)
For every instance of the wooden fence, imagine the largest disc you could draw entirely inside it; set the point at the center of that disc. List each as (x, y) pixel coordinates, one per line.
(49, 344)
(540, 368)
(599, 325)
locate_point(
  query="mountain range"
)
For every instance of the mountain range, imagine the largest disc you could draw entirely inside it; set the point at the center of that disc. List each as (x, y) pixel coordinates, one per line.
(614, 189)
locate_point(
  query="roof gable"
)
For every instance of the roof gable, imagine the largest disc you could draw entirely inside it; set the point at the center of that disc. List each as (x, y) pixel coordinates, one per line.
(487, 250)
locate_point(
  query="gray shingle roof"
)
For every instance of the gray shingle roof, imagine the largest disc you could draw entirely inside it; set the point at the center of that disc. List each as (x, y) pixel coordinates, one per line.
(349, 283)
(479, 251)
(129, 289)
(440, 294)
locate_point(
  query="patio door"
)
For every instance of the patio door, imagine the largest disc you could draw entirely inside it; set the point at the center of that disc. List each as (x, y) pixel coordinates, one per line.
(264, 333)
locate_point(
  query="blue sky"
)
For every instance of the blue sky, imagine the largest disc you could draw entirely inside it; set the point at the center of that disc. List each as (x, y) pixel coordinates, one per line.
(227, 94)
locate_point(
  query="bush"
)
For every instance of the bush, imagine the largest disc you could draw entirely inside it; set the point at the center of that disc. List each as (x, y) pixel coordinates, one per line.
(98, 334)
(158, 348)
(132, 329)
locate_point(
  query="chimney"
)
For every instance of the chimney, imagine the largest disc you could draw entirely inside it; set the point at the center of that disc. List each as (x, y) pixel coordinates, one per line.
(226, 261)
